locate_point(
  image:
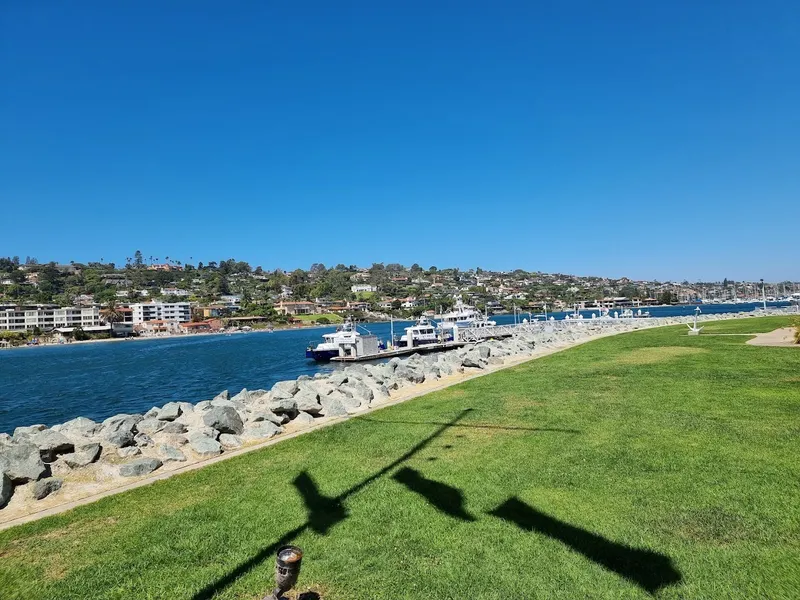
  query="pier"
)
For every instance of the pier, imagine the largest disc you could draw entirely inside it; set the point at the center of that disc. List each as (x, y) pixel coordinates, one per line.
(405, 350)
(469, 335)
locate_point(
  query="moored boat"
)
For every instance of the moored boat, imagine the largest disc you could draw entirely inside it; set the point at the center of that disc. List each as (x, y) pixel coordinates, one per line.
(345, 336)
(329, 347)
(421, 333)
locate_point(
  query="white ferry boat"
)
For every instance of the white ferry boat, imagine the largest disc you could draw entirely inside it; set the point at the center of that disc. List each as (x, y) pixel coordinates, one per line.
(421, 333)
(462, 315)
(345, 335)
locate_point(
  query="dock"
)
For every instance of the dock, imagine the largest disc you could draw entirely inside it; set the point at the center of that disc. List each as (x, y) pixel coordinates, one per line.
(400, 352)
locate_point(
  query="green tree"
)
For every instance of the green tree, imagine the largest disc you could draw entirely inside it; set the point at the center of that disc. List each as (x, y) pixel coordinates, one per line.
(112, 313)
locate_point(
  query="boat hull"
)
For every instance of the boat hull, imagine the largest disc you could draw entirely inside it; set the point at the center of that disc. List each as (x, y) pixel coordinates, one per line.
(403, 343)
(321, 355)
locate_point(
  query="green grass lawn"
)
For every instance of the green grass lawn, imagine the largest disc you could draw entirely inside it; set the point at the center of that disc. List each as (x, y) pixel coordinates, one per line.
(332, 317)
(641, 465)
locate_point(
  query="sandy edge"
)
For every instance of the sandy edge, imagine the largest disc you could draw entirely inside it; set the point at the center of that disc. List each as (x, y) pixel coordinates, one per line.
(783, 337)
(410, 393)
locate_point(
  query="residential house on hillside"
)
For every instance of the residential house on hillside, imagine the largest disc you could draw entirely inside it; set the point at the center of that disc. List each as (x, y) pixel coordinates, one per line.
(363, 287)
(296, 308)
(173, 291)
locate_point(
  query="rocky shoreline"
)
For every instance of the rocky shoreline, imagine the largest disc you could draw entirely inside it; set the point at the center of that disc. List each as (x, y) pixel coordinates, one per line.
(41, 467)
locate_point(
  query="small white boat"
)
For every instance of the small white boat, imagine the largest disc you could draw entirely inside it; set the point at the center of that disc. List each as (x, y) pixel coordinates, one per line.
(345, 335)
(329, 347)
(424, 331)
(462, 315)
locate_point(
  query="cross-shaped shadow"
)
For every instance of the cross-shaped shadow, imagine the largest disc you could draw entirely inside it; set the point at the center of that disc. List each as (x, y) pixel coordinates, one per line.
(446, 498)
(323, 512)
(649, 570)
(317, 505)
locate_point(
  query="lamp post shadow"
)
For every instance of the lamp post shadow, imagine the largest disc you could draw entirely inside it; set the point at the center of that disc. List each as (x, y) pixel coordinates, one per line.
(649, 570)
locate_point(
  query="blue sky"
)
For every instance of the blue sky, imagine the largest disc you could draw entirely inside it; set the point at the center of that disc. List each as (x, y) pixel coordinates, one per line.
(652, 140)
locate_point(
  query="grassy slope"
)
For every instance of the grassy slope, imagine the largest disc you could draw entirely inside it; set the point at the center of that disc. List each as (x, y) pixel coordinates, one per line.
(686, 447)
(332, 317)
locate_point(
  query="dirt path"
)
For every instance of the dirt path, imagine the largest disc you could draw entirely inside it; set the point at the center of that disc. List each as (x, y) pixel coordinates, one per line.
(783, 337)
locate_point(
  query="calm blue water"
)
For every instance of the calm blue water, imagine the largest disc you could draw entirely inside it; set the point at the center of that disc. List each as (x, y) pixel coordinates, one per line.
(53, 384)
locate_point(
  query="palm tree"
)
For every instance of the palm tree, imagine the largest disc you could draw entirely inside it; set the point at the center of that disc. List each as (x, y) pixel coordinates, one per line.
(112, 314)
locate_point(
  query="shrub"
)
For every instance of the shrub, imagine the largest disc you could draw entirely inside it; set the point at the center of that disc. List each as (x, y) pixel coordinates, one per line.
(324, 321)
(796, 324)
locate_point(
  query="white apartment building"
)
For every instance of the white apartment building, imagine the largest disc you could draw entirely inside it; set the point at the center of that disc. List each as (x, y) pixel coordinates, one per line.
(180, 312)
(47, 317)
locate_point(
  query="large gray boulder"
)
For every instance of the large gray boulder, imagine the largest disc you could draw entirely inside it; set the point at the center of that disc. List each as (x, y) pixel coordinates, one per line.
(225, 419)
(186, 407)
(358, 390)
(225, 402)
(223, 395)
(262, 430)
(22, 462)
(484, 350)
(308, 401)
(5, 440)
(143, 440)
(337, 378)
(206, 431)
(431, 372)
(83, 456)
(129, 451)
(473, 359)
(302, 420)
(150, 426)
(169, 412)
(282, 405)
(139, 467)
(332, 407)
(22, 434)
(6, 489)
(174, 439)
(45, 487)
(283, 389)
(169, 453)
(242, 397)
(267, 415)
(120, 430)
(78, 427)
(409, 374)
(230, 441)
(204, 446)
(51, 444)
(174, 427)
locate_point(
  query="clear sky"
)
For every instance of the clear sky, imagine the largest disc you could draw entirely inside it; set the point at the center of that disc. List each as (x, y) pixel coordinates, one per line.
(645, 139)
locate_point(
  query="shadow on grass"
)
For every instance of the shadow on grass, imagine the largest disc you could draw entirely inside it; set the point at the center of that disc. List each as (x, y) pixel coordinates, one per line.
(443, 497)
(649, 570)
(475, 426)
(316, 504)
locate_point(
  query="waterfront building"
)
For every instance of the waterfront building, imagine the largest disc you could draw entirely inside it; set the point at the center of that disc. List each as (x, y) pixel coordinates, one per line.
(157, 326)
(296, 308)
(177, 312)
(47, 317)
